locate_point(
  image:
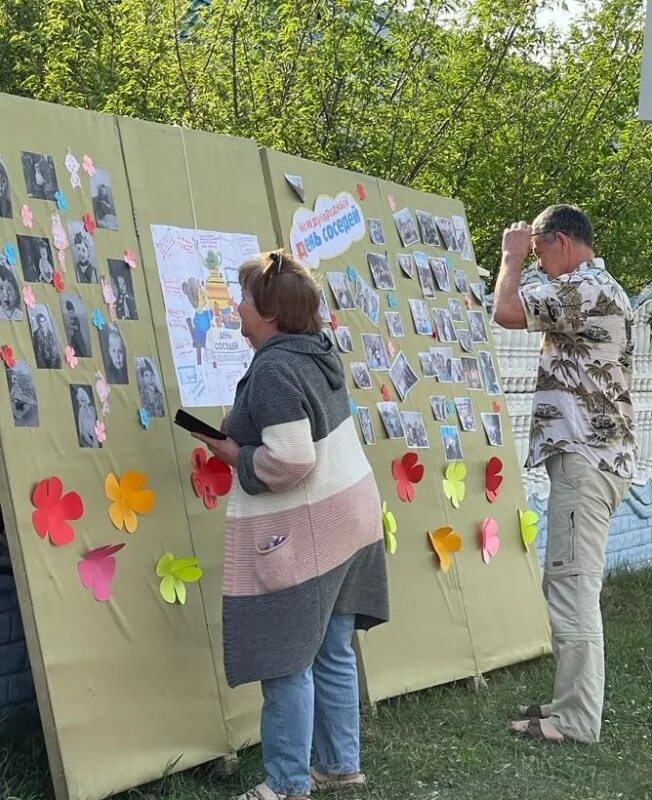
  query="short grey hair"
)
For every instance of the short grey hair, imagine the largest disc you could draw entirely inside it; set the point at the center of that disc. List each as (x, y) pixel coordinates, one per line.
(566, 219)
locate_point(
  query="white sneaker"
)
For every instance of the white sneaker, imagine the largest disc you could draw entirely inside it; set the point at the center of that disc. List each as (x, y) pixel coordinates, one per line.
(261, 792)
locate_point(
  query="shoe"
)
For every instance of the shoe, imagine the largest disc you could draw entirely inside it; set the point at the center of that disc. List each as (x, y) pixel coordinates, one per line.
(261, 792)
(324, 783)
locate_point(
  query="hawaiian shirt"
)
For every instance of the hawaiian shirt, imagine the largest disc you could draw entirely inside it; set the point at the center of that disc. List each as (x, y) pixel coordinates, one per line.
(582, 401)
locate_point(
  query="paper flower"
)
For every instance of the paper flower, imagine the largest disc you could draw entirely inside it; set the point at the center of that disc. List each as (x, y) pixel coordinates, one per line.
(493, 478)
(389, 528)
(7, 355)
(26, 216)
(59, 235)
(490, 540)
(467, 301)
(57, 281)
(453, 483)
(75, 180)
(61, 258)
(97, 318)
(445, 541)
(210, 478)
(450, 408)
(96, 570)
(100, 431)
(88, 166)
(71, 163)
(9, 253)
(130, 259)
(128, 499)
(391, 350)
(529, 531)
(434, 333)
(392, 201)
(351, 274)
(71, 357)
(61, 200)
(89, 223)
(334, 322)
(28, 296)
(143, 416)
(407, 471)
(176, 572)
(361, 191)
(495, 407)
(53, 510)
(391, 300)
(385, 393)
(102, 388)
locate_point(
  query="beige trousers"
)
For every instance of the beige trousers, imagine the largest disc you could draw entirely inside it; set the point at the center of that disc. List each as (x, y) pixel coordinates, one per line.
(582, 500)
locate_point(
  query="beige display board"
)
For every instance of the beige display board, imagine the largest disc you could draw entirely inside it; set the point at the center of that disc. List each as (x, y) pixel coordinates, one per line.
(477, 616)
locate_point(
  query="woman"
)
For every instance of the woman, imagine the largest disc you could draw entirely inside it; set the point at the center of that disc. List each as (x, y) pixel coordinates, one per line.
(304, 554)
(150, 395)
(9, 294)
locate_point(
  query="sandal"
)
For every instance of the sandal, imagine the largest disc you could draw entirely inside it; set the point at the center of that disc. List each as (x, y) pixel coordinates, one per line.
(324, 783)
(535, 710)
(533, 728)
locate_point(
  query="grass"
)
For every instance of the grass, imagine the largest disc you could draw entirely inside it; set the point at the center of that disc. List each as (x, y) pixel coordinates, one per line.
(451, 742)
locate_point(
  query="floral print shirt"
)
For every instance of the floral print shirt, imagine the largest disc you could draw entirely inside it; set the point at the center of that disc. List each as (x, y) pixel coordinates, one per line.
(582, 402)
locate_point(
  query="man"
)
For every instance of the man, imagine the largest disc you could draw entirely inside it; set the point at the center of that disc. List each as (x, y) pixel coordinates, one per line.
(74, 331)
(83, 258)
(583, 429)
(46, 349)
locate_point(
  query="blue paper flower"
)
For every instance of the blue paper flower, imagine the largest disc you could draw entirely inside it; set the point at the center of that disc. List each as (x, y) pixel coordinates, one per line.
(449, 263)
(10, 253)
(351, 274)
(62, 200)
(450, 408)
(391, 300)
(97, 319)
(143, 415)
(353, 406)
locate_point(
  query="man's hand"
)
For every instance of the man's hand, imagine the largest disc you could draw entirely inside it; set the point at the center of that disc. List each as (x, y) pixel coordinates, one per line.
(517, 242)
(225, 449)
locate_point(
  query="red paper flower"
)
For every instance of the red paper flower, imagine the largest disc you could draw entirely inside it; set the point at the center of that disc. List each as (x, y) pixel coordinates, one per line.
(211, 478)
(435, 333)
(7, 355)
(384, 391)
(493, 478)
(496, 407)
(53, 510)
(89, 223)
(57, 281)
(362, 193)
(334, 322)
(407, 471)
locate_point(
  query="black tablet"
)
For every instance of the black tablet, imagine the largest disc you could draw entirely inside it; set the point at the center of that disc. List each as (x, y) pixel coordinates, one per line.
(194, 425)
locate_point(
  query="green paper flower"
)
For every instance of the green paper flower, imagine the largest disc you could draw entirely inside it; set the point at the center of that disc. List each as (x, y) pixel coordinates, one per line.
(176, 572)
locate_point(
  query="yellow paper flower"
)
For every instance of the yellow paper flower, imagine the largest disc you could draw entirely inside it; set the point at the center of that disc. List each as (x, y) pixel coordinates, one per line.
(529, 529)
(128, 499)
(390, 528)
(445, 541)
(174, 571)
(453, 483)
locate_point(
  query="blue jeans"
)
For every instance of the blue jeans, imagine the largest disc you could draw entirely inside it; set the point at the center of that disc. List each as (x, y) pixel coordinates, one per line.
(316, 706)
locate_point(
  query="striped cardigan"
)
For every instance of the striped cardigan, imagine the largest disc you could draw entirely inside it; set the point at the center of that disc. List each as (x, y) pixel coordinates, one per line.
(304, 533)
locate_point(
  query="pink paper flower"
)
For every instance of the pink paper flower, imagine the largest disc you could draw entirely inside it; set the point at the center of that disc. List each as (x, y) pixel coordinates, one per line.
(27, 216)
(7, 355)
(97, 570)
(71, 357)
(28, 296)
(100, 431)
(130, 259)
(88, 166)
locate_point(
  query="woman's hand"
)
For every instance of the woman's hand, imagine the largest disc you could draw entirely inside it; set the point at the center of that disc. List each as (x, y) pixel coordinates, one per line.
(225, 449)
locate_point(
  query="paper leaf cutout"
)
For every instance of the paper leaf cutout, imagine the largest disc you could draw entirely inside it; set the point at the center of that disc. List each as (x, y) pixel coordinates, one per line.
(445, 541)
(88, 166)
(175, 573)
(385, 393)
(100, 431)
(490, 540)
(128, 499)
(71, 358)
(103, 389)
(26, 216)
(97, 318)
(407, 471)
(389, 529)
(493, 478)
(296, 183)
(130, 259)
(453, 483)
(143, 416)
(61, 200)
(28, 296)
(9, 252)
(210, 478)
(529, 531)
(7, 355)
(361, 191)
(96, 570)
(89, 224)
(54, 509)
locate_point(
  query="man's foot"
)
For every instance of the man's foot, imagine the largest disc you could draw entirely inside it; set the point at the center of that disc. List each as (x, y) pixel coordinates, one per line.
(264, 792)
(537, 728)
(321, 782)
(542, 711)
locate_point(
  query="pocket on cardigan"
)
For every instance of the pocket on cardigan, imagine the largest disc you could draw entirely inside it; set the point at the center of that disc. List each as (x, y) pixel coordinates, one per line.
(274, 567)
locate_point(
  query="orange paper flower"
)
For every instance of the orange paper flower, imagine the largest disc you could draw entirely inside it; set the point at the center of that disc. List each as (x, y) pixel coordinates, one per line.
(128, 499)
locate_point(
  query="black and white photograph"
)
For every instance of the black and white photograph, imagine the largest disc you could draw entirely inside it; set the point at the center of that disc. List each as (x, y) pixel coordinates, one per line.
(420, 317)
(394, 324)
(464, 338)
(5, 194)
(491, 383)
(40, 176)
(406, 264)
(415, 430)
(360, 375)
(438, 406)
(444, 325)
(477, 290)
(403, 376)
(341, 290)
(447, 233)
(103, 202)
(344, 340)
(376, 232)
(472, 373)
(439, 269)
(123, 286)
(324, 310)
(405, 226)
(85, 414)
(465, 413)
(428, 228)
(375, 352)
(366, 425)
(367, 300)
(458, 371)
(425, 275)
(493, 427)
(428, 366)
(380, 271)
(391, 417)
(450, 439)
(476, 326)
(22, 395)
(47, 349)
(75, 324)
(461, 281)
(462, 237)
(443, 357)
(10, 308)
(329, 333)
(150, 387)
(36, 259)
(455, 309)
(82, 248)
(114, 354)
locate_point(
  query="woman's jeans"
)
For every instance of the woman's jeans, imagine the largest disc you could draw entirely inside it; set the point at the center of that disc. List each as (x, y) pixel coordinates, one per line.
(316, 706)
